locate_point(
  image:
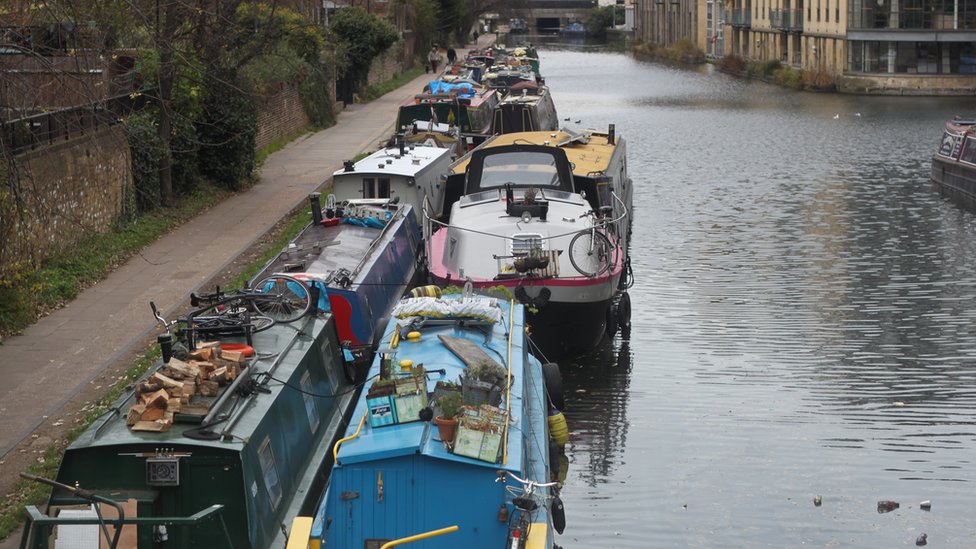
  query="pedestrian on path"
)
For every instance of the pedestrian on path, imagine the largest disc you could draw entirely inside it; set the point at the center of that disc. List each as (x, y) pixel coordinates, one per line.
(433, 57)
(451, 56)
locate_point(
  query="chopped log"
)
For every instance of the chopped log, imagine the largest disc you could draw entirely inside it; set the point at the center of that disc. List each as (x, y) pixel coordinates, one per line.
(232, 356)
(166, 381)
(233, 370)
(189, 389)
(135, 414)
(206, 353)
(198, 409)
(152, 414)
(219, 375)
(157, 399)
(174, 405)
(208, 388)
(143, 390)
(205, 368)
(177, 369)
(215, 345)
(157, 426)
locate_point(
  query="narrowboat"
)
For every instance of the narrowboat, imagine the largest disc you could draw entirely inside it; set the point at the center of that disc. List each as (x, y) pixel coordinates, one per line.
(471, 114)
(221, 442)
(482, 479)
(525, 110)
(954, 163)
(548, 216)
(406, 172)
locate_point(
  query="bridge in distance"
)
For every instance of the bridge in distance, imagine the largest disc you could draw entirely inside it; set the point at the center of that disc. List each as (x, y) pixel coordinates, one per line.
(552, 15)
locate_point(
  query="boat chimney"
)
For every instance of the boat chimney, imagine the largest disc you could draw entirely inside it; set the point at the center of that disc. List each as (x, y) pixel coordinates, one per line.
(402, 148)
(313, 198)
(611, 135)
(314, 293)
(166, 346)
(348, 165)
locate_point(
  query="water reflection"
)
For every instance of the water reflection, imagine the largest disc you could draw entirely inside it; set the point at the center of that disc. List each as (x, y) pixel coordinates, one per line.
(803, 315)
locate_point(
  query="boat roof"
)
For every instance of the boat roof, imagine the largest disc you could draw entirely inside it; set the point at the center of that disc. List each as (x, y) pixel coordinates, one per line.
(589, 151)
(960, 125)
(503, 341)
(481, 95)
(388, 160)
(285, 346)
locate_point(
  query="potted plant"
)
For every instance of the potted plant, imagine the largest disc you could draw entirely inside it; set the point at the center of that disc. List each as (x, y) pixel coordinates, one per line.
(447, 423)
(482, 382)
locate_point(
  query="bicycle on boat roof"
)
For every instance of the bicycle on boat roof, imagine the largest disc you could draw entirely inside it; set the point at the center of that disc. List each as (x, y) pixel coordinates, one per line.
(244, 312)
(527, 501)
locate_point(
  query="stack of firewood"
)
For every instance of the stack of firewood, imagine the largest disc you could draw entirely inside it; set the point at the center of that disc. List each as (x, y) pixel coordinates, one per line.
(172, 388)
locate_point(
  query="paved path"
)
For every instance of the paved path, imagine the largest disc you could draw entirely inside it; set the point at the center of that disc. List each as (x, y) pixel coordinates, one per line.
(53, 360)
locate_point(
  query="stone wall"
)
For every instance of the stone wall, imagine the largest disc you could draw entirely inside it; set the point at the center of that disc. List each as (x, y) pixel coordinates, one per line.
(68, 192)
(280, 115)
(904, 84)
(386, 66)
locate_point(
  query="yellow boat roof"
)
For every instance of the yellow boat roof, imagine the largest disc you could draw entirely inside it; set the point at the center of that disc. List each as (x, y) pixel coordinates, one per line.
(589, 158)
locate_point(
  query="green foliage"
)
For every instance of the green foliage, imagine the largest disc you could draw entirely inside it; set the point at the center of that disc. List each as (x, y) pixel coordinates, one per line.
(227, 128)
(733, 63)
(147, 154)
(314, 93)
(788, 77)
(359, 37)
(379, 90)
(451, 405)
(278, 26)
(422, 18)
(184, 147)
(598, 20)
(764, 68)
(488, 371)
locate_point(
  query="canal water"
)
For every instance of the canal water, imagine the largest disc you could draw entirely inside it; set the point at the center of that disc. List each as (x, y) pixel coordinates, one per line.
(804, 320)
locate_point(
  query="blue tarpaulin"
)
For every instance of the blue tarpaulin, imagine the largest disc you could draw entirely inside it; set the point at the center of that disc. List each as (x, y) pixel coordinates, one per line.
(463, 89)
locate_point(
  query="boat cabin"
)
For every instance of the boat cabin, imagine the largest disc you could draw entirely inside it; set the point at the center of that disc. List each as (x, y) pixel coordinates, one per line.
(472, 114)
(525, 111)
(410, 174)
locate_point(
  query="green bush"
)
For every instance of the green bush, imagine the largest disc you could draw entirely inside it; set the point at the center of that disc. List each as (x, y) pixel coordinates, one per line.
(147, 153)
(227, 128)
(785, 76)
(314, 93)
(359, 37)
(184, 147)
(733, 63)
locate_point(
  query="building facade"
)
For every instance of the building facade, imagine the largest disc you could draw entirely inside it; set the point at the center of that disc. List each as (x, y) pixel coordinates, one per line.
(866, 46)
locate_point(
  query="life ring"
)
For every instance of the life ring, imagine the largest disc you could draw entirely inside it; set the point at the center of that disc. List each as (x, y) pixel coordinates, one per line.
(623, 311)
(611, 314)
(554, 385)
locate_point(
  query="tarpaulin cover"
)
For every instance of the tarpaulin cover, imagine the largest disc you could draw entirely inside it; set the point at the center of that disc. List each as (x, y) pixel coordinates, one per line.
(463, 89)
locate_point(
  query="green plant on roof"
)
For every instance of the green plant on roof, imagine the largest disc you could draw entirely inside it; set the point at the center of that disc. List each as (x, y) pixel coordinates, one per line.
(487, 370)
(529, 196)
(451, 405)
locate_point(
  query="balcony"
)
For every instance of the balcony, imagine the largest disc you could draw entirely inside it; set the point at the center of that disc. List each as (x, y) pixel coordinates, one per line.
(741, 18)
(786, 20)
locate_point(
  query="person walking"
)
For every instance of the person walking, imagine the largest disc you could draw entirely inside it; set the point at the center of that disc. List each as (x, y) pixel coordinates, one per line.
(433, 58)
(451, 56)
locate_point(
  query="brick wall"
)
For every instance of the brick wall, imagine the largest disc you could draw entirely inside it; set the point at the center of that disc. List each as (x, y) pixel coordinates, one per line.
(388, 65)
(69, 191)
(280, 115)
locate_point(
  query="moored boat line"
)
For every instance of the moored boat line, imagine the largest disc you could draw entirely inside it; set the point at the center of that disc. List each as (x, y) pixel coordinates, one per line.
(954, 162)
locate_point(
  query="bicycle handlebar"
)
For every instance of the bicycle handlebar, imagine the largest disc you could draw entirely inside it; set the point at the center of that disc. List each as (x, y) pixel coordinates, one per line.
(527, 484)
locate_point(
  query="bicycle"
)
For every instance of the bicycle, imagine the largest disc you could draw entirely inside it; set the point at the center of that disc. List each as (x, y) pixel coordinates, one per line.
(277, 298)
(526, 502)
(590, 251)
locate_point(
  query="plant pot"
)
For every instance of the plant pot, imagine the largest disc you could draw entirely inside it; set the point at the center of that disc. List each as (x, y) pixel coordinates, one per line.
(447, 428)
(476, 392)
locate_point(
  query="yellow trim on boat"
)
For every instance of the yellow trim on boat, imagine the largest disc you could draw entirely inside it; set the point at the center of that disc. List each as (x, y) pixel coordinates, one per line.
(538, 534)
(508, 397)
(301, 531)
(335, 449)
(419, 537)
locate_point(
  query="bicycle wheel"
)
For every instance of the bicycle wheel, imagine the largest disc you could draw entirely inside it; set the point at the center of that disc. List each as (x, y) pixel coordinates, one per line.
(281, 297)
(261, 323)
(591, 253)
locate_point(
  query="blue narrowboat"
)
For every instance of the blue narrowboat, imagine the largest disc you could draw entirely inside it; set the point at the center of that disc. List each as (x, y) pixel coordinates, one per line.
(397, 476)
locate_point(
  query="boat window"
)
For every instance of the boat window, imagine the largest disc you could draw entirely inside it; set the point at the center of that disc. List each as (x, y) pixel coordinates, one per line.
(478, 198)
(969, 151)
(950, 145)
(534, 169)
(270, 473)
(524, 243)
(376, 188)
(310, 410)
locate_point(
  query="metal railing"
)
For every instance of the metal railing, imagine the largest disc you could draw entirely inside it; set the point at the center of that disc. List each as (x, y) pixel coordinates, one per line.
(786, 19)
(42, 129)
(741, 17)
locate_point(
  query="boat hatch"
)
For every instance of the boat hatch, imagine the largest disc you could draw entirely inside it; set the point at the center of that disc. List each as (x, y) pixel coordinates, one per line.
(525, 243)
(521, 166)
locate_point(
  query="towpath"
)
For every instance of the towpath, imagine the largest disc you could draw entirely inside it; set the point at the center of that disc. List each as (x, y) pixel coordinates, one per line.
(66, 353)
